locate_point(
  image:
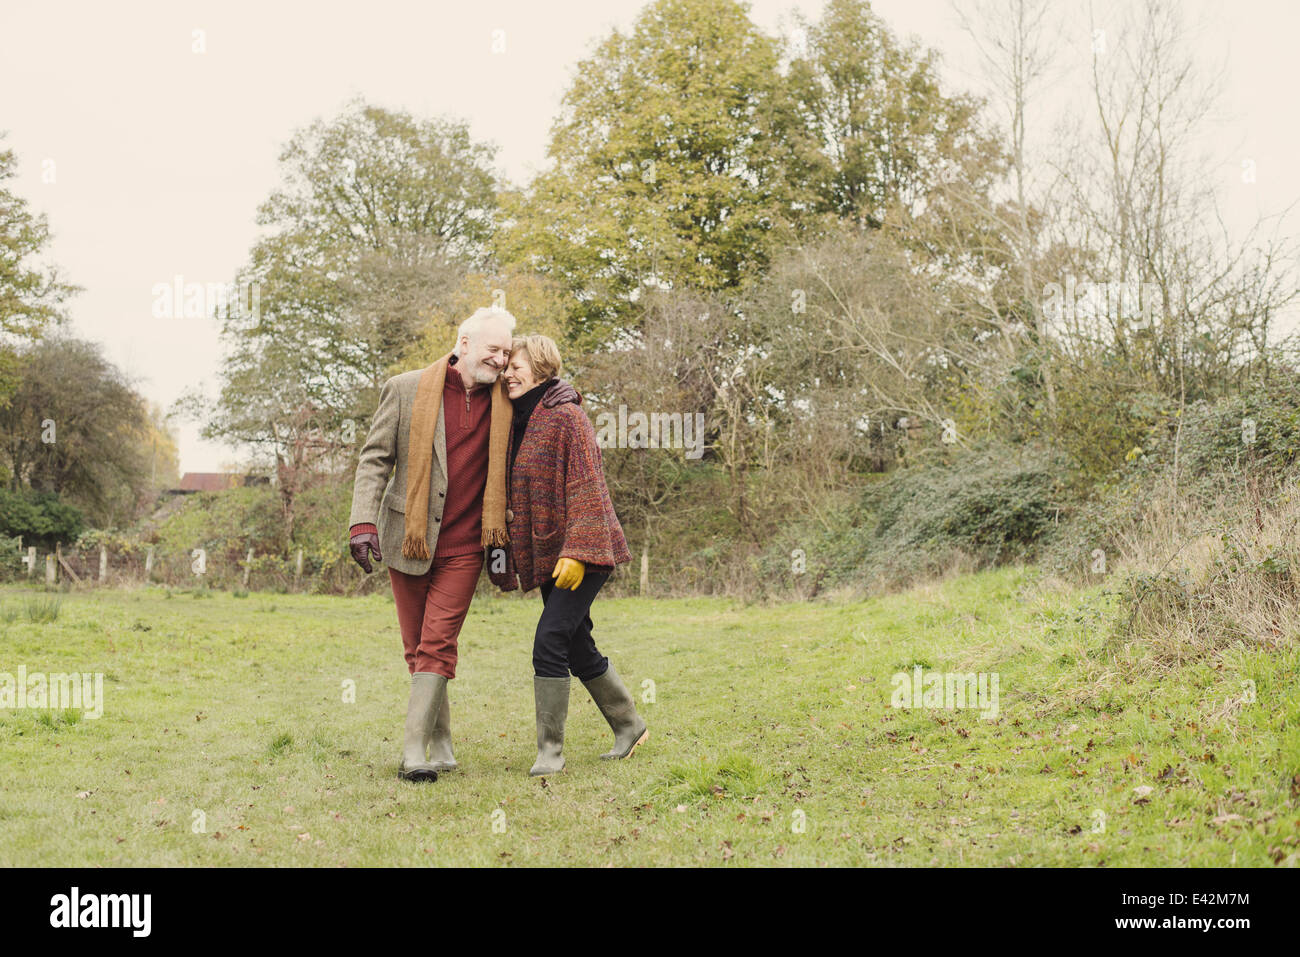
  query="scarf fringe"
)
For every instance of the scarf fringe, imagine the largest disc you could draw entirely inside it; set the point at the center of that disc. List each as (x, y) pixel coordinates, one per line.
(416, 548)
(495, 537)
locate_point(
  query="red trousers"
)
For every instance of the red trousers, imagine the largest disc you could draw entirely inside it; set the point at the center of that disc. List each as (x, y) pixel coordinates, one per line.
(431, 609)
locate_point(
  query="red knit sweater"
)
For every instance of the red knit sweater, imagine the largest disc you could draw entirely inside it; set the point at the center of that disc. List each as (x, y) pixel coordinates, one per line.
(465, 417)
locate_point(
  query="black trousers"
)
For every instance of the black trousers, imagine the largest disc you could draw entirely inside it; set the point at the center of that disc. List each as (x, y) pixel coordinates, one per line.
(563, 642)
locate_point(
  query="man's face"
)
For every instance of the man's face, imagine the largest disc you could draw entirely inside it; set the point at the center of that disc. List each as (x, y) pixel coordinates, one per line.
(484, 356)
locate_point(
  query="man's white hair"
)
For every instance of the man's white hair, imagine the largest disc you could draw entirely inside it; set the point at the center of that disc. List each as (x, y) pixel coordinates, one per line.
(474, 324)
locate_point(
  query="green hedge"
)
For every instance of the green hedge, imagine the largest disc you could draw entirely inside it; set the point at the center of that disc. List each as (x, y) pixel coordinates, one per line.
(41, 518)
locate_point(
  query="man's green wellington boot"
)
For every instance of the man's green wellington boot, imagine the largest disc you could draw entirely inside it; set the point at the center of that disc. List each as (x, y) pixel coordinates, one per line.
(427, 692)
(440, 755)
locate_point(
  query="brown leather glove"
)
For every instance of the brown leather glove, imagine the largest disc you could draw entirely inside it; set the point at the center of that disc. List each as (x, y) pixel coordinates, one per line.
(360, 544)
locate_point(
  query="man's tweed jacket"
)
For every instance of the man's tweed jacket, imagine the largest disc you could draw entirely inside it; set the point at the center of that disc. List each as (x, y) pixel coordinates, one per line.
(386, 451)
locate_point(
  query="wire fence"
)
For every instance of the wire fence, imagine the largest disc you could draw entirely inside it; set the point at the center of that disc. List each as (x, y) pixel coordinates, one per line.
(123, 563)
(107, 566)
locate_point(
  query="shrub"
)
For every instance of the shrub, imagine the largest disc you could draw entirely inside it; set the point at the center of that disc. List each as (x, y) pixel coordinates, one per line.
(1226, 448)
(41, 518)
(983, 507)
(11, 559)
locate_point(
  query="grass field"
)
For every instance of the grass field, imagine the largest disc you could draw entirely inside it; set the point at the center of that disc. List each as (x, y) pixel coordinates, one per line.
(226, 738)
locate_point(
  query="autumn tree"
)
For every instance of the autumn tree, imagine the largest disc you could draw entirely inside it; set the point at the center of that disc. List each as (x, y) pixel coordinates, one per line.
(672, 165)
(377, 217)
(76, 427)
(32, 293)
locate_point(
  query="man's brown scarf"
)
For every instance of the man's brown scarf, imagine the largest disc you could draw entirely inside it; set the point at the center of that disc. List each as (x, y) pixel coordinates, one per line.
(424, 421)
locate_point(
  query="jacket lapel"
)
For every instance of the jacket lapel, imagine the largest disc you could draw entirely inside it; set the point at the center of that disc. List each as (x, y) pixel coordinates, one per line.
(440, 441)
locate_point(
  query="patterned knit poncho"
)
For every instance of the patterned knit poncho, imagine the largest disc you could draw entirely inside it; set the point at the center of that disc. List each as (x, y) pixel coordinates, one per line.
(557, 496)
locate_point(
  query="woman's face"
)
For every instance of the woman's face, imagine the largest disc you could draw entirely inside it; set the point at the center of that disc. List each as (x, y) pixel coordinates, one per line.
(519, 375)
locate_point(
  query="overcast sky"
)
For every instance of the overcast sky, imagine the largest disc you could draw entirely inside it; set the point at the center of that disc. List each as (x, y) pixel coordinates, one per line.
(160, 155)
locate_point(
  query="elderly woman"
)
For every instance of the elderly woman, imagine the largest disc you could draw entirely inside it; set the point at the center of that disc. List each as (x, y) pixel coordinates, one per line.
(565, 538)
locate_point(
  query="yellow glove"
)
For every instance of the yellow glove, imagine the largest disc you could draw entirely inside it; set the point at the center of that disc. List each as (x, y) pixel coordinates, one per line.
(568, 573)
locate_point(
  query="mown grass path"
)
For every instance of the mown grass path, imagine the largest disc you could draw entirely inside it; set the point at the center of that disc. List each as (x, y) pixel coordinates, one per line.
(773, 739)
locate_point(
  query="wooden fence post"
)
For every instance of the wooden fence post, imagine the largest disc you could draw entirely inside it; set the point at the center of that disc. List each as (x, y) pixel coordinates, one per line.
(248, 566)
(103, 564)
(297, 574)
(645, 568)
(148, 563)
(51, 570)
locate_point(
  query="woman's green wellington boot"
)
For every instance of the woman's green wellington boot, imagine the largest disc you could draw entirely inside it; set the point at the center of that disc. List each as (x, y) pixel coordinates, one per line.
(611, 696)
(551, 697)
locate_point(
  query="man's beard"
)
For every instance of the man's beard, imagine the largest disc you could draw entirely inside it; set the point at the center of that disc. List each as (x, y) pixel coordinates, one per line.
(484, 374)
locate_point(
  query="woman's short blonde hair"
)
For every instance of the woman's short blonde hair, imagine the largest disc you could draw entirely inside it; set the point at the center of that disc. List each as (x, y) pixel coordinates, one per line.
(542, 354)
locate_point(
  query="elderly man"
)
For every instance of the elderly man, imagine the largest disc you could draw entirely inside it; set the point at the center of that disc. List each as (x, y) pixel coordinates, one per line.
(442, 432)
